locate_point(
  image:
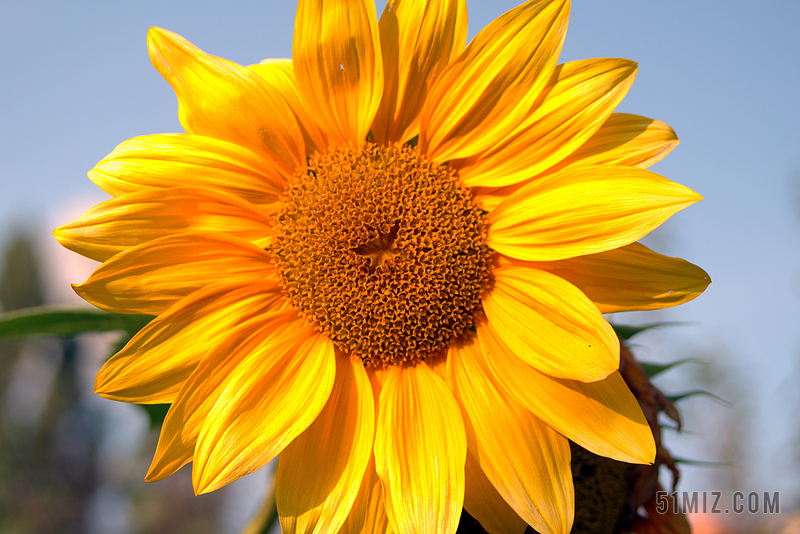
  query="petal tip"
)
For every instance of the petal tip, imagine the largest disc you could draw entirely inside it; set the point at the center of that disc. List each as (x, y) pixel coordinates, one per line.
(155, 38)
(161, 44)
(201, 482)
(642, 449)
(160, 468)
(60, 234)
(99, 384)
(648, 455)
(83, 292)
(103, 388)
(155, 34)
(690, 196)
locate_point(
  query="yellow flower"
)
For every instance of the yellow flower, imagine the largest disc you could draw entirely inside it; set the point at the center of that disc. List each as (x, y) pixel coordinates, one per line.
(387, 260)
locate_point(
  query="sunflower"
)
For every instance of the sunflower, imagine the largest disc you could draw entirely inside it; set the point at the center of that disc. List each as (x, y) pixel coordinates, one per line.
(387, 259)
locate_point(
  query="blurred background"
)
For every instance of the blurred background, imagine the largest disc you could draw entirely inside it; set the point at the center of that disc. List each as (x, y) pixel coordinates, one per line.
(76, 80)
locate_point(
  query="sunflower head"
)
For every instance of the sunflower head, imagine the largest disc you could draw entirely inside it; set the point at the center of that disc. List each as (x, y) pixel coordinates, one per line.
(388, 259)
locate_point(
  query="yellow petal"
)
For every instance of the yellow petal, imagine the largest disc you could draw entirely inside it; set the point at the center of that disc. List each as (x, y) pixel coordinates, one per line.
(629, 278)
(188, 413)
(490, 88)
(602, 417)
(320, 472)
(377, 377)
(176, 160)
(550, 324)
(267, 401)
(526, 461)
(420, 450)
(483, 503)
(135, 218)
(581, 96)
(624, 139)
(368, 514)
(437, 361)
(221, 99)
(337, 62)
(280, 73)
(584, 210)
(488, 198)
(418, 40)
(629, 140)
(149, 278)
(153, 366)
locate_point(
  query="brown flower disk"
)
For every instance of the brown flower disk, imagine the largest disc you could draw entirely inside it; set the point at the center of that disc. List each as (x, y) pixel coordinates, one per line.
(382, 250)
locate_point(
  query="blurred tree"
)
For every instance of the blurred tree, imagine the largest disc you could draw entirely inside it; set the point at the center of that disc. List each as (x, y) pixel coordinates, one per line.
(51, 462)
(20, 284)
(20, 287)
(40, 493)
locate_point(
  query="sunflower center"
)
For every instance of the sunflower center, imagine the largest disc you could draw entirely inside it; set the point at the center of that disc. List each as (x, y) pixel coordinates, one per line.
(382, 250)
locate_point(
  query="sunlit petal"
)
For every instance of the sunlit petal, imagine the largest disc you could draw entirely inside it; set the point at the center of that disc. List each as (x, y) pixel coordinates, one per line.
(149, 278)
(280, 74)
(268, 400)
(177, 160)
(629, 278)
(482, 502)
(584, 210)
(490, 88)
(420, 450)
(628, 140)
(153, 366)
(320, 472)
(624, 139)
(418, 40)
(199, 394)
(610, 423)
(337, 63)
(550, 324)
(583, 94)
(368, 514)
(527, 462)
(136, 218)
(219, 98)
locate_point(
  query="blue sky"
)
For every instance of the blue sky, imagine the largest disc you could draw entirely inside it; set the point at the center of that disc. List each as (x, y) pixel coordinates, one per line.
(75, 80)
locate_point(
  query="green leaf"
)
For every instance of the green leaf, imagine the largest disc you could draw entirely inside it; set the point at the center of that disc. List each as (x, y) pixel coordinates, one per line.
(680, 430)
(701, 463)
(66, 322)
(625, 332)
(156, 413)
(653, 369)
(695, 392)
